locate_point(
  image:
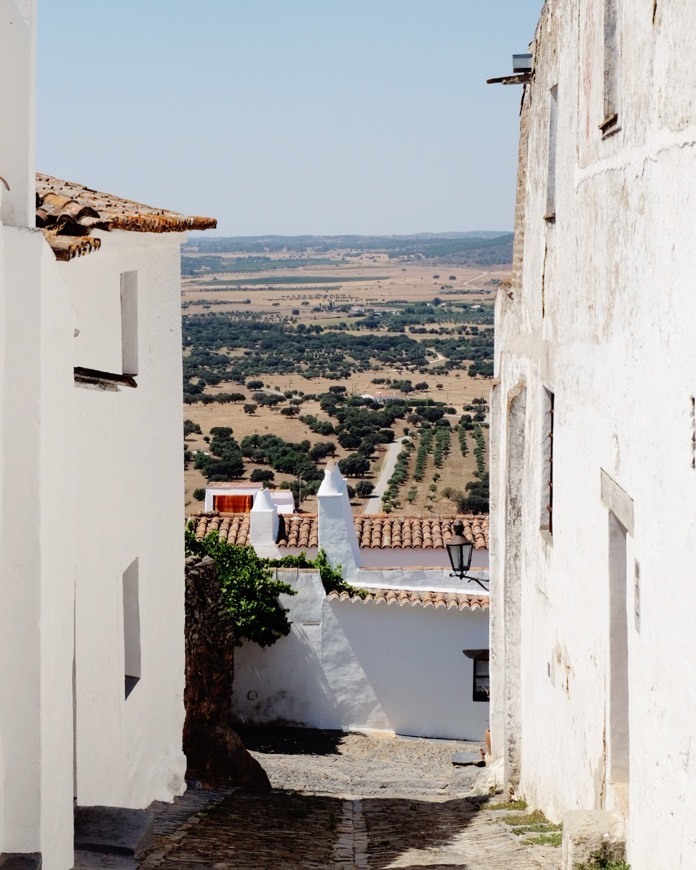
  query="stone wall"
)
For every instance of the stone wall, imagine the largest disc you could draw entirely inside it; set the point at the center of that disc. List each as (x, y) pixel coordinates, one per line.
(214, 751)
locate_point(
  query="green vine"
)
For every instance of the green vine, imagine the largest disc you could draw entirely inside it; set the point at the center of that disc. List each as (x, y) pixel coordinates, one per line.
(331, 578)
(250, 588)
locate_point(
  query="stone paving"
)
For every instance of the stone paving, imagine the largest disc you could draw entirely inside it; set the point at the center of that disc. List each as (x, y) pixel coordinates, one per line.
(344, 801)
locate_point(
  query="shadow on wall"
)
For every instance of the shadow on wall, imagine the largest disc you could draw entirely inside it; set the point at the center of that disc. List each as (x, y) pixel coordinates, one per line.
(412, 658)
(270, 690)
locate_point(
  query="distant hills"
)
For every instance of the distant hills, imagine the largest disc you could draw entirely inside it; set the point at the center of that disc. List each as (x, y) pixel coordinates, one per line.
(478, 247)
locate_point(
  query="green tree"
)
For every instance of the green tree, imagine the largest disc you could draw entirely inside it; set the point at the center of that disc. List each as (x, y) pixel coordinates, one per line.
(261, 475)
(364, 489)
(250, 589)
(191, 428)
(354, 465)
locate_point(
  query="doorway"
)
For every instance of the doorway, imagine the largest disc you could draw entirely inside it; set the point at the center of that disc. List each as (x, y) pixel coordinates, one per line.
(618, 731)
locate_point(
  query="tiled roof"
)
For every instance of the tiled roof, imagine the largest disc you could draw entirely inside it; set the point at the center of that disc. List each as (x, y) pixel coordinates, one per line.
(67, 212)
(420, 597)
(298, 530)
(426, 533)
(233, 528)
(376, 531)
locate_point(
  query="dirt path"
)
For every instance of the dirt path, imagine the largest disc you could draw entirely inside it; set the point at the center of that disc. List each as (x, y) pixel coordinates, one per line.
(374, 504)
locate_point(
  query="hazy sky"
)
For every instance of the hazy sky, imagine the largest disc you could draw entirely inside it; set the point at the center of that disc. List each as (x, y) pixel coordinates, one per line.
(288, 116)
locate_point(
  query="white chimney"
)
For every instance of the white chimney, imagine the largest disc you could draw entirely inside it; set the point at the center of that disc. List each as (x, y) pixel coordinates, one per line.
(263, 523)
(336, 528)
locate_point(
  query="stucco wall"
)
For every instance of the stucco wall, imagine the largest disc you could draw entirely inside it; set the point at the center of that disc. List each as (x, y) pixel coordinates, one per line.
(128, 447)
(385, 557)
(601, 316)
(17, 98)
(37, 580)
(362, 665)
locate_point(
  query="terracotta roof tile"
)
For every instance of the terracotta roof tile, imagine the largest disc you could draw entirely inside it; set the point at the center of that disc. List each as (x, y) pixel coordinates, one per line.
(388, 531)
(376, 531)
(233, 528)
(414, 598)
(67, 212)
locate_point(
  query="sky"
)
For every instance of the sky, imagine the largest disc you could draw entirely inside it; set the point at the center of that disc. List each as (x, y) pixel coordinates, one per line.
(288, 117)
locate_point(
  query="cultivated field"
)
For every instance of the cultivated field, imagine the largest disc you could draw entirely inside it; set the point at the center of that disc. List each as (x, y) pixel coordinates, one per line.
(342, 288)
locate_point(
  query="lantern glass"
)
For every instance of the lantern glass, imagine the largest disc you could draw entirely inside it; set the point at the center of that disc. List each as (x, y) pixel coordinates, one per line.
(460, 551)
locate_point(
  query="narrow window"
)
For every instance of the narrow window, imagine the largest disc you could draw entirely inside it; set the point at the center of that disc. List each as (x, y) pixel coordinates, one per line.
(553, 135)
(693, 432)
(547, 462)
(482, 682)
(611, 67)
(129, 322)
(131, 627)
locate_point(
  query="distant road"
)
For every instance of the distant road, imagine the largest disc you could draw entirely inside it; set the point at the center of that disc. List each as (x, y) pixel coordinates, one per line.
(374, 504)
(471, 280)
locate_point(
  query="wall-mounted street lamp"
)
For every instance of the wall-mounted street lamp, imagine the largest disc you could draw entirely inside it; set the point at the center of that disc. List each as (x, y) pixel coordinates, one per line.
(460, 552)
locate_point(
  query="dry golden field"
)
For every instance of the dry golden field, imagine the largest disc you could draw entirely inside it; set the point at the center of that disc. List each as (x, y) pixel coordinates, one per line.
(374, 280)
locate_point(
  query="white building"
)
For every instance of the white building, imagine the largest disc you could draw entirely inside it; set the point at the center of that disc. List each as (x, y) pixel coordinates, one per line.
(91, 598)
(593, 510)
(225, 498)
(411, 657)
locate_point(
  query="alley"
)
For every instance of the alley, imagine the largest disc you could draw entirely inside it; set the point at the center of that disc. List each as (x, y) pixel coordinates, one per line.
(344, 801)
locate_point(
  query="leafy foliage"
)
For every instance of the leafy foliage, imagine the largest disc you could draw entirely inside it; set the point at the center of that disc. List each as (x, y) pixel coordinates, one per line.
(225, 460)
(331, 578)
(249, 588)
(191, 428)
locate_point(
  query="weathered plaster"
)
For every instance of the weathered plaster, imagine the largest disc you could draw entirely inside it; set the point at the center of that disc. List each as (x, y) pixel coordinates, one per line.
(610, 337)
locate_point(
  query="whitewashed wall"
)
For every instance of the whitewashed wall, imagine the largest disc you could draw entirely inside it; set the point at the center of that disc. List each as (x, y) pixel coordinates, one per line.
(363, 665)
(18, 101)
(415, 558)
(36, 541)
(601, 314)
(129, 469)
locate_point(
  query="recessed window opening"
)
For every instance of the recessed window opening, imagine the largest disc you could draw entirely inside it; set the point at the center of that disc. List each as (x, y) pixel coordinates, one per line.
(693, 432)
(550, 214)
(549, 400)
(131, 628)
(611, 66)
(482, 681)
(129, 322)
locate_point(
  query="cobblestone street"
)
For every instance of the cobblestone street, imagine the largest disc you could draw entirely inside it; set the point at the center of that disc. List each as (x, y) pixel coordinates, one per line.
(342, 801)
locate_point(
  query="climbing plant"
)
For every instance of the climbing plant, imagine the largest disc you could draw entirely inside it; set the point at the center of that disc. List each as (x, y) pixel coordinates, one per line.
(331, 578)
(250, 588)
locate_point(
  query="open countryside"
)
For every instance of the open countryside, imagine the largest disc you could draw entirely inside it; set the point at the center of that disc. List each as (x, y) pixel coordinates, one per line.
(311, 349)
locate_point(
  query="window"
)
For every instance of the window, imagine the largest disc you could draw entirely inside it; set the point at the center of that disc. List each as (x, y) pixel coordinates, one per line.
(131, 628)
(693, 432)
(482, 682)
(550, 214)
(109, 350)
(611, 67)
(129, 323)
(547, 462)
(481, 679)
